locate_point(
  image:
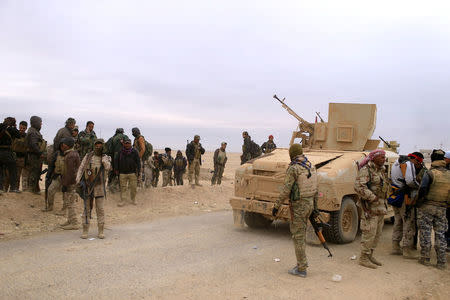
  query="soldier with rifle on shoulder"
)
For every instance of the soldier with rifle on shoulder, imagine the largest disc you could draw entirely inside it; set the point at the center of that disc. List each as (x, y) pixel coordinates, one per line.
(91, 177)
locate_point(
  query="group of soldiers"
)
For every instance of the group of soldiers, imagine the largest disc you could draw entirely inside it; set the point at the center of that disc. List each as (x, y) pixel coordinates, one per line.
(81, 164)
(251, 150)
(418, 195)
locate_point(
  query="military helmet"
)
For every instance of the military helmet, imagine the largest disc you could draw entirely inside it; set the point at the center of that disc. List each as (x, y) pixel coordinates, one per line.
(196, 137)
(99, 141)
(295, 150)
(437, 154)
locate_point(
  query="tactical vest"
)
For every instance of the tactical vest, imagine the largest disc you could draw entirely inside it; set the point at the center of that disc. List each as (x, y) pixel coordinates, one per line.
(60, 166)
(19, 145)
(307, 186)
(179, 163)
(197, 153)
(439, 193)
(93, 168)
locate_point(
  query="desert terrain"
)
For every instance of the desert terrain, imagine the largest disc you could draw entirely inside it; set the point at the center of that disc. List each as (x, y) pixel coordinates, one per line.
(180, 243)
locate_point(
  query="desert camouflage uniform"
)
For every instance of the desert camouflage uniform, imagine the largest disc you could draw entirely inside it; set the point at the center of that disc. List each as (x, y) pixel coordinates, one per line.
(220, 159)
(432, 214)
(372, 186)
(154, 164)
(167, 169)
(301, 208)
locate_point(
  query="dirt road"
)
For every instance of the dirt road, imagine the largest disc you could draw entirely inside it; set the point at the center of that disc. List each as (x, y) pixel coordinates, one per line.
(202, 256)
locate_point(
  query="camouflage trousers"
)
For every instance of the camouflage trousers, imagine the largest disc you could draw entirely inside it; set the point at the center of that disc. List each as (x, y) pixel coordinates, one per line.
(301, 210)
(54, 188)
(167, 177)
(404, 226)
(99, 210)
(148, 172)
(70, 197)
(432, 217)
(371, 229)
(218, 173)
(155, 177)
(194, 171)
(178, 177)
(128, 181)
(34, 166)
(8, 162)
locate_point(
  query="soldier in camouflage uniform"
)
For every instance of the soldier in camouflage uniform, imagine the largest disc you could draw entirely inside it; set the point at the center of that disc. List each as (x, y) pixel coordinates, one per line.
(433, 199)
(372, 186)
(36, 152)
(179, 168)
(268, 146)
(300, 185)
(19, 147)
(166, 167)
(92, 175)
(246, 148)
(86, 139)
(219, 159)
(194, 152)
(154, 164)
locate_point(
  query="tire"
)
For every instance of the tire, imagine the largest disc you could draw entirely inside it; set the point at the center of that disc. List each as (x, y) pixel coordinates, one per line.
(255, 220)
(343, 223)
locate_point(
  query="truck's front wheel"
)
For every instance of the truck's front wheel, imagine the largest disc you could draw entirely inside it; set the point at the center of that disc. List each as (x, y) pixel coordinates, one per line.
(343, 223)
(255, 220)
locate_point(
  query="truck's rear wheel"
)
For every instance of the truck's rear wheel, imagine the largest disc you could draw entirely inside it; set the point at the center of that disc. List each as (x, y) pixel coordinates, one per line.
(343, 223)
(255, 220)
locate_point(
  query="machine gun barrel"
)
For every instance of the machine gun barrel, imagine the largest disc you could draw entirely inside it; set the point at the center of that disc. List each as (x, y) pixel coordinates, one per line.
(387, 144)
(290, 111)
(321, 120)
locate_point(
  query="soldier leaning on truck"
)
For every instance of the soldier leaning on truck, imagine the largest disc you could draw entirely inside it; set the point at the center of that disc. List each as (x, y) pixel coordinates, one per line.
(372, 186)
(300, 185)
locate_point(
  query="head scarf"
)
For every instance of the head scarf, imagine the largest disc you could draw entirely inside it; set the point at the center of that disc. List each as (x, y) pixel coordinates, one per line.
(416, 156)
(371, 156)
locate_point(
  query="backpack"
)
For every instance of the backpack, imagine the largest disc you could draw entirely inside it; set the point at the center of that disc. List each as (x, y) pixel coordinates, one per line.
(255, 149)
(19, 145)
(148, 150)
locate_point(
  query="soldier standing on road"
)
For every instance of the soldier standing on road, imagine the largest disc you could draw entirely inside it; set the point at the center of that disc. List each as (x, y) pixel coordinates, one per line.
(433, 199)
(127, 165)
(372, 186)
(179, 168)
(35, 156)
(166, 163)
(268, 146)
(68, 181)
(86, 139)
(8, 132)
(154, 163)
(219, 159)
(92, 176)
(300, 186)
(405, 178)
(194, 152)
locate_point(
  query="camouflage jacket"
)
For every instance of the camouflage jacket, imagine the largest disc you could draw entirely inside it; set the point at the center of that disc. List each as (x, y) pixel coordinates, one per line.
(268, 147)
(292, 174)
(372, 186)
(86, 141)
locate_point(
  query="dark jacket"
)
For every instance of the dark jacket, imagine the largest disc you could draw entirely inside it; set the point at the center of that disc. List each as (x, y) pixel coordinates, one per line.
(7, 134)
(72, 162)
(127, 163)
(64, 132)
(34, 140)
(268, 147)
(190, 151)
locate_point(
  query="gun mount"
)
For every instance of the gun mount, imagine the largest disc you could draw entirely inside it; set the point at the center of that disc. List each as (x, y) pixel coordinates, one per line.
(349, 128)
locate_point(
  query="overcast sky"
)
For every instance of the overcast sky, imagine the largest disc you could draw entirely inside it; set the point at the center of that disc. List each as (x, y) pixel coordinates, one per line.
(179, 68)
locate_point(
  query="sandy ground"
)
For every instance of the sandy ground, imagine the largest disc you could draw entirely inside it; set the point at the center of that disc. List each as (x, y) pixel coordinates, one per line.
(180, 243)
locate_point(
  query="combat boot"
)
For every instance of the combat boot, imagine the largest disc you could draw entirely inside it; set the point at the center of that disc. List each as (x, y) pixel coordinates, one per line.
(408, 253)
(100, 231)
(84, 235)
(62, 212)
(295, 271)
(374, 260)
(71, 226)
(198, 184)
(424, 261)
(365, 262)
(396, 249)
(64, 224)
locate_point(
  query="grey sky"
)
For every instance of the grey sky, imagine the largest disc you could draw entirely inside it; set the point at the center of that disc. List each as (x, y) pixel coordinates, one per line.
(178, 68)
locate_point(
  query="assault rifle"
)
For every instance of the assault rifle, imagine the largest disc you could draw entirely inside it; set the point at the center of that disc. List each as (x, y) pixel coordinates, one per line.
(318, 225)
(387, 144)
(86, 189)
